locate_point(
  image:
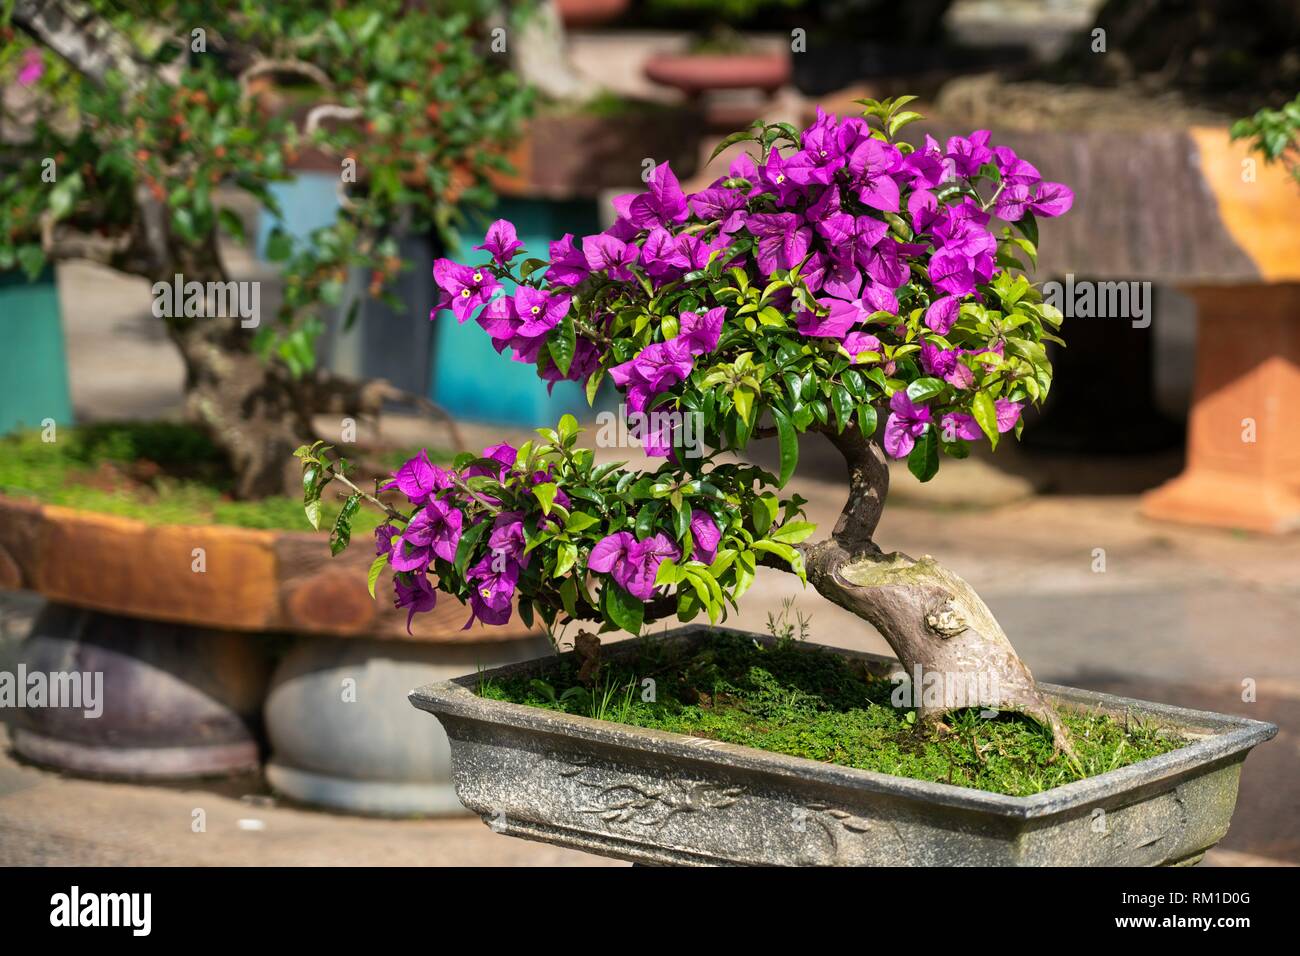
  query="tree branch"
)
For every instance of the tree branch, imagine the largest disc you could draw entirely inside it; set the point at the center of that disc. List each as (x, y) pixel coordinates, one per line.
(74, 31)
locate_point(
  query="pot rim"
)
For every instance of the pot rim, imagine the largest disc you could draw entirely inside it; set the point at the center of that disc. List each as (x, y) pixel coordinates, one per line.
(1221, 736)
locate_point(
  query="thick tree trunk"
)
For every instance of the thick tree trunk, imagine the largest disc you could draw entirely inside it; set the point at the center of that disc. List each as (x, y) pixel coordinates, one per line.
(936, 624)
(245, 404)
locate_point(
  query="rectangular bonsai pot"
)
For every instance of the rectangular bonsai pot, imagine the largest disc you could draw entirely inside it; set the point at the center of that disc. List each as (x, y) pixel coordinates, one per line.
(662, 798)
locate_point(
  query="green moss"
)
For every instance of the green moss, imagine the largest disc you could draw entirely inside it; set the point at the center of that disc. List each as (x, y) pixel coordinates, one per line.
(158, 472)
(805, 702)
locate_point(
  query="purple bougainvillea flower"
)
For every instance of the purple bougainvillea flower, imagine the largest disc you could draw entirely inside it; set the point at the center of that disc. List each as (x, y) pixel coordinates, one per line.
(821, 157)
(701, 332)
(504, 454)
(644, 558)
(568, 265)
(1053, 199)
(604, 253)
(33, 68)
(419, 479)
(777, 181)
(842, 279)
(843, 316)
(942, 314)
(963, 230)
(879, 298)
(434, 531)
(415, 594)
(945, 364)
(783, 240)
(856, 344)
(663, 204)
(538, 311)
(927, 167)
(707, 537)
(610, 552)
(871, 164)
(384, 536)
(507, 537)
(662, 257)
(952, 272)
(720, 204)
(1015, 171)
(906, 423)
(969, 153)
(1012, 202)
(962, 425)
(659, 366)
(1008, 413)
(632, 564)
(697, 251)
(466, 287)
(956, 425)
(923, 207)
(501, 241)
(493, 582)
(500, 321)
(658, 437)
(886, 261)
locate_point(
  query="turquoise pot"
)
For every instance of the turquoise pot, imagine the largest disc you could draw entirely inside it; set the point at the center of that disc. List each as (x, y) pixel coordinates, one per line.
(33, 362)
(469, 378)
(308, 201)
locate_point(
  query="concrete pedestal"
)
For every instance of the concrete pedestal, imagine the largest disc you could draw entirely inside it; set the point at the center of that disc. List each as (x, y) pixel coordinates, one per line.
(344, 735)
(1243, 437)
(174, 701)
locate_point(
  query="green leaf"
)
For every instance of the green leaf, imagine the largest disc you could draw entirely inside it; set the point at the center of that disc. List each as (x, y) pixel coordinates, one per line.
(580, 521)
(312, 508)
(731, 140)
(789, 442)
(622, 608)
(466, 546)
(376, 568)
(986, 414)
(923, 462)
(232, 224)
(562, 342)
(842, 402)
(924, 389)
(341, 536)
(867, 420)
(569, 597)
(792, 532)
(1028, 227)
(783, 551)
(646, 517)
(565, 557)
(545, 494)
(568, 429)
(278, 245)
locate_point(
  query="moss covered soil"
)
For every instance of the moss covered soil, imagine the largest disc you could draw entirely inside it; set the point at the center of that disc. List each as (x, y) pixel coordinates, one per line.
(794, 699)
(158, 472)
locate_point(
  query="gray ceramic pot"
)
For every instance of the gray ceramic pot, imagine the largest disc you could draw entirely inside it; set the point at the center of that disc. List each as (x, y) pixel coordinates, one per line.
(662, 798)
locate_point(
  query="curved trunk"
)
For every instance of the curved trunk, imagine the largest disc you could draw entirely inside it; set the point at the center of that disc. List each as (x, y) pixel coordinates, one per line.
(939, 628)
(245, 404)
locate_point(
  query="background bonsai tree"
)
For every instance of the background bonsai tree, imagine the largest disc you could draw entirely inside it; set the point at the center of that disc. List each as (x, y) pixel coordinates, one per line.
(835, 281)
(137, 113)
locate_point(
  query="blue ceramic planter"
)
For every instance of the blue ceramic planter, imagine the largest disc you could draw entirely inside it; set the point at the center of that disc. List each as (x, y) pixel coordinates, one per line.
(33, 363)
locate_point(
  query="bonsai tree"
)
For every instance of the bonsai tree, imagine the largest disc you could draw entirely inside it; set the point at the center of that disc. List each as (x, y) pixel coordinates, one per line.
(836, 281)
(135, 114)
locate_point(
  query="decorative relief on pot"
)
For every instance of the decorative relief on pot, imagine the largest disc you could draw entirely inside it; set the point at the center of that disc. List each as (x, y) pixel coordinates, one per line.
(641, 802)
(849, 839)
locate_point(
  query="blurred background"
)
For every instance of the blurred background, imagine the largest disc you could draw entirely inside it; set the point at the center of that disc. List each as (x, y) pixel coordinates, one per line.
(1141, 540)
